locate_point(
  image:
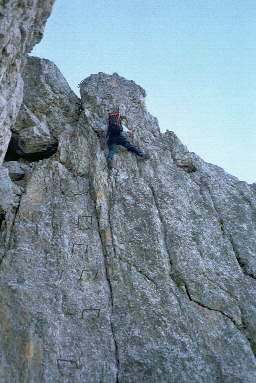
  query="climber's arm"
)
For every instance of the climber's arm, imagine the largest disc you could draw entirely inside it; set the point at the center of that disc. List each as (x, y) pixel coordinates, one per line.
(101, 131)
(125, 125)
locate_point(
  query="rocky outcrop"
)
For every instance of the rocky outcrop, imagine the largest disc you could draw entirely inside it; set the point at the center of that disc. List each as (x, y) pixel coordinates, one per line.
(142, 273)
(49, 107)
(21, 27)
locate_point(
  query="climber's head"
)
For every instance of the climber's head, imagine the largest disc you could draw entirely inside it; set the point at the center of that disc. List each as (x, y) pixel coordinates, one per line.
(114, 118)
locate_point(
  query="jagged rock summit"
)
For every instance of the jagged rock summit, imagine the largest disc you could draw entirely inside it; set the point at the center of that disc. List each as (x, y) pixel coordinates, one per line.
(145, 273)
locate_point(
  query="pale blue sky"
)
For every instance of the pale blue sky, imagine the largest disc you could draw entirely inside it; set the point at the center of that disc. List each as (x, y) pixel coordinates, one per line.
(195, 58)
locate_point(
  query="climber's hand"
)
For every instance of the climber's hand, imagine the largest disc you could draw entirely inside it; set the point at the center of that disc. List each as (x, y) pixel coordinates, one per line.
(100, 132)
(129, 131)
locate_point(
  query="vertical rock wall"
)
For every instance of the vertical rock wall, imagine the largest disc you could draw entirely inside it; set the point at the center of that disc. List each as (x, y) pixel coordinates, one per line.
(142, 273)
(21, 27)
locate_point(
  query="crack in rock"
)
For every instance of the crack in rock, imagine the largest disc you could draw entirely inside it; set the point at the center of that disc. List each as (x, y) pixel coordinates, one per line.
(162, 222)
(239, 327)
(150, 280)
(108, 278)
(242, 265)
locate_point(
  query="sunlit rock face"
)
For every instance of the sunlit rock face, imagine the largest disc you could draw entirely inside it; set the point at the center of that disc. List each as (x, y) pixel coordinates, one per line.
(140, 273)
(21, 27)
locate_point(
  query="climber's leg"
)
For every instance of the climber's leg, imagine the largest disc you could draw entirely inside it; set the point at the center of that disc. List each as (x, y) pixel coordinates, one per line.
(111, 150)
(131, 148)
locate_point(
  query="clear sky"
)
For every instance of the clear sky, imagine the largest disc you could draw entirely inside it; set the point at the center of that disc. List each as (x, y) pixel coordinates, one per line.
(196, 60)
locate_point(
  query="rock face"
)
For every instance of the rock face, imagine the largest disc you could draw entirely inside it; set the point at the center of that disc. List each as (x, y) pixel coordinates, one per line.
(21, 27)
(142, 273)
(49, 107)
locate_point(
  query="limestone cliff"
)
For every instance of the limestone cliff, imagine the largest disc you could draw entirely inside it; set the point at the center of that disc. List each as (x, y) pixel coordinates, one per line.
(21, 27)
(142, 273)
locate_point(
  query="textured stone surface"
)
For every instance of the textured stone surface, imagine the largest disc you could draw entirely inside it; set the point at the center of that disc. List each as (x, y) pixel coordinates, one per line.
(16, 171)
(10, 195)
(145, 273)
(21, 27)
(49, 107)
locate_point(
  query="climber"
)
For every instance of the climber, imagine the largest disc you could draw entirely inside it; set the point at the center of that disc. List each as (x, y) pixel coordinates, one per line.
(114, 131)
